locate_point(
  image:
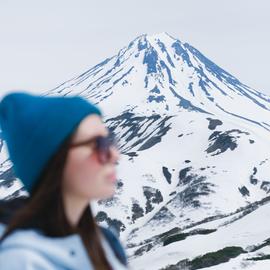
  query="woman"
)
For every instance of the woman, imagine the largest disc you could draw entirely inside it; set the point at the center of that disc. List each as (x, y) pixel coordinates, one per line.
(65, 157)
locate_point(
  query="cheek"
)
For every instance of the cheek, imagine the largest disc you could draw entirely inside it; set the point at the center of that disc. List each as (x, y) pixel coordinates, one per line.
(83, 175)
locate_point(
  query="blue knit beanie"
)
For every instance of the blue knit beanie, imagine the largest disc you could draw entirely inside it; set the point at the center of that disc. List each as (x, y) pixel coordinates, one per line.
(34, 127)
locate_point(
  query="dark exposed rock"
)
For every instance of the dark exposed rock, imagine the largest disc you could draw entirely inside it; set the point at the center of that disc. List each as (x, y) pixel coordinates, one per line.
(196, 186)
(183, 264)
(167, 174)
(119, 189)
(255, 170)
(156, 98)
(265, 186)
(261, 257)
(142, 250)
(241, 212)
(164, 215)
(132, 154)
(137, 211)
(156, 138)
(109, 202)
(142, 132)
(182, 236)
(209, 259)
(191, 194)
(101, 216)
(222, 141)
(9, 178)
(115, 224)
(119, 184)
(213, 123)
(153, 196)
(244, 191)
(183, 179)
(262, 162)
(253, 180)
(260, 246)
(150, 142)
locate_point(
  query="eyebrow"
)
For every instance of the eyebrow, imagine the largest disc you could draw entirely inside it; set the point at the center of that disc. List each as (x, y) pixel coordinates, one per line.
(82, 142)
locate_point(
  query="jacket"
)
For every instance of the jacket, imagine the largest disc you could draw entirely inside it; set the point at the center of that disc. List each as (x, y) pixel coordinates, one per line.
(28, 249)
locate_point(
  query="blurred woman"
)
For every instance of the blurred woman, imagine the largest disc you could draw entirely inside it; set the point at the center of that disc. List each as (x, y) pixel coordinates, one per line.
(65, 157)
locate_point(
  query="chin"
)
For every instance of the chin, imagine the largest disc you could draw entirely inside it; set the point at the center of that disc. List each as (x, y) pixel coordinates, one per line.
(103, 195)
(108, 194)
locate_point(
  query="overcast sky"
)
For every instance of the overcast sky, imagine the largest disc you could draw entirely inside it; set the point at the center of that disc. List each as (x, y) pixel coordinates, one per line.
(44, 43)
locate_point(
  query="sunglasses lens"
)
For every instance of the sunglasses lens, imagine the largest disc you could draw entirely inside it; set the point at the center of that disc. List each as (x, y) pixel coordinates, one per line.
(104, 145)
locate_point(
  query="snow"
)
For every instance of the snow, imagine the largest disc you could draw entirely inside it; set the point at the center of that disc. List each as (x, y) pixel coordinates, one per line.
(123, 83)
(250, 230)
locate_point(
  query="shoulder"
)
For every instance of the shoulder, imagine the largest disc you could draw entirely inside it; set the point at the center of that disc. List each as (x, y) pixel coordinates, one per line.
(15, 254)
(33, 249)
(115, 244)
(23, 259)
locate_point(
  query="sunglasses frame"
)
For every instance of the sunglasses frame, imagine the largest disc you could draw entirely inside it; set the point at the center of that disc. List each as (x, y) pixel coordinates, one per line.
(102, 146)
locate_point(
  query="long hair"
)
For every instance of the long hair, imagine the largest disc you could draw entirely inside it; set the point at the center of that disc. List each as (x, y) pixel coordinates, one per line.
(44, 210)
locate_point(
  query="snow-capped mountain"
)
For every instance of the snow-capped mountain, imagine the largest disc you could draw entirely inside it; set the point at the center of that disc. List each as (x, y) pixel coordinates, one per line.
(194, 174)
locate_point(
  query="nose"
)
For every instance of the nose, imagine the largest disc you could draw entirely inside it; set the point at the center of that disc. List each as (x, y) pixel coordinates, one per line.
(115, 154)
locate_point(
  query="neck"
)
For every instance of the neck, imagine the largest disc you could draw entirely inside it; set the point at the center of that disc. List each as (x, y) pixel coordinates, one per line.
(74, 207)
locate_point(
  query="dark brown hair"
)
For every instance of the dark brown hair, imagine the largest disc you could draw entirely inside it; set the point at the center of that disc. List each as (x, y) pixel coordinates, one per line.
(44, 210)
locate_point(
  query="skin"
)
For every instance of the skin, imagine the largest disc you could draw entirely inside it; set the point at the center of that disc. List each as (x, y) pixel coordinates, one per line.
(85, 178)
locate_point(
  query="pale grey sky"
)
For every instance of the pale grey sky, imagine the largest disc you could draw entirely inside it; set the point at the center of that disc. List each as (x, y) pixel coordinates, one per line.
(44, 43)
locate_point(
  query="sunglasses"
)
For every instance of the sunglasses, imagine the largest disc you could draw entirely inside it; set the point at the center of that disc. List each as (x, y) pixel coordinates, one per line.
(101, 145)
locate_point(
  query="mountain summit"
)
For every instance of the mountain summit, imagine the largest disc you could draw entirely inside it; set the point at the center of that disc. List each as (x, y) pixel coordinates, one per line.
(164, 75)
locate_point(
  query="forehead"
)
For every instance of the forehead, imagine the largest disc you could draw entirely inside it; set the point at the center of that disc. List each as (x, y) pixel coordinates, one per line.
(90, 126)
